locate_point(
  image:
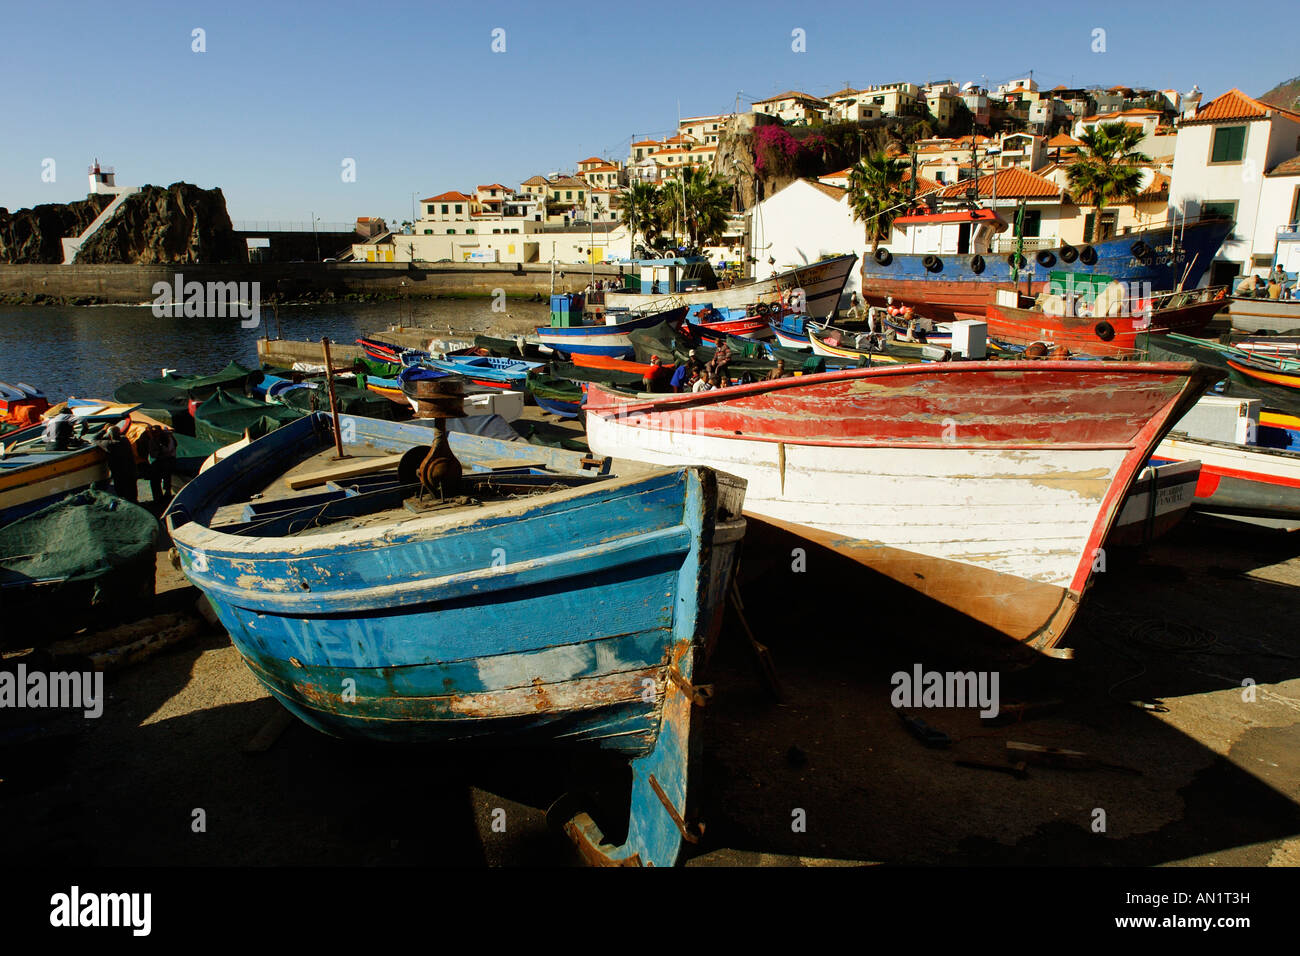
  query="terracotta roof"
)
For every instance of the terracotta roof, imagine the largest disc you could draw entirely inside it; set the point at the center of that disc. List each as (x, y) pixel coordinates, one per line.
(966, 140)
(568, 181)
(647, 142)
(534, 181)
(671, 149)
(835, 192)
(452, 196)
(840, 174)
(847, 91)
(923, 185)
(1013, 183)
(793, 95)
(1062, 140)
(590, 159)
(1235, 105)
(607, 168)
(1288, 167)
(494, 186)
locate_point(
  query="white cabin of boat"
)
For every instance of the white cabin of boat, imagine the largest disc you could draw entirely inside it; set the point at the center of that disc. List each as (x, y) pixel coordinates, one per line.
(961, 232)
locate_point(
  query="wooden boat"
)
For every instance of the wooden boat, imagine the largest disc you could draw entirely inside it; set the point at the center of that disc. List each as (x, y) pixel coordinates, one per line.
(1286, 347)
(391, 354)
(478, 399)
(556, 395)
(21, 406)
(547, 603)
(32, 478)
(944, 262)
(833, 343)
(987, 486)
(791, 332)
(1263, 370)
(1113, 334)
(1158, 500)
(822, 284)
(1247, 482)
(487, 370)
(745, 323)
(85, 558)
(1264, 315)
(609, 339)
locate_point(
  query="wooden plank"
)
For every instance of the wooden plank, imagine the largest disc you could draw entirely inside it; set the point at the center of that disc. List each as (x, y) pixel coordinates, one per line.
(350, 469)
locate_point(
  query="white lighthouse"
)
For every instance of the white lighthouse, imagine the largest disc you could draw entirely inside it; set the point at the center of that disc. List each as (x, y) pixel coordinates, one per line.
(103, 182)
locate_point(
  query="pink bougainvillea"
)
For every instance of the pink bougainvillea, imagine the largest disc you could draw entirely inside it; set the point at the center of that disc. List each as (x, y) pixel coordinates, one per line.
(774, 149)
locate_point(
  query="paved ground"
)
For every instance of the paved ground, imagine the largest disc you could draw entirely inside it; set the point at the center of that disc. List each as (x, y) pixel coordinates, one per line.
(1183, 623)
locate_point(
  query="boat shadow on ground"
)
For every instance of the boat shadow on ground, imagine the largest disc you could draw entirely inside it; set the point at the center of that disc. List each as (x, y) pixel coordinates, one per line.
(126, 788)
(832, 772)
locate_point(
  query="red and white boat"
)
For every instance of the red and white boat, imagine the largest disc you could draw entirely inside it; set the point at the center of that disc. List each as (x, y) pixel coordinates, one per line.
(988, 486)
(1243, 482)
(1109, 326)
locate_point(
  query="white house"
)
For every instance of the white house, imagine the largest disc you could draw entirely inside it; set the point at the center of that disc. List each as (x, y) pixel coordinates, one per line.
(1221, 158)
(793, 107)
(801, 224)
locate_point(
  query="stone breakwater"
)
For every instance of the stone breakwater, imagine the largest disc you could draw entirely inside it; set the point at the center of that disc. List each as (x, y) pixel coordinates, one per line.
(289, 282)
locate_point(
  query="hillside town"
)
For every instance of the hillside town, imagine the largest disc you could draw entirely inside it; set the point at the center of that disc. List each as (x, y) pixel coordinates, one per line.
(1002, 148)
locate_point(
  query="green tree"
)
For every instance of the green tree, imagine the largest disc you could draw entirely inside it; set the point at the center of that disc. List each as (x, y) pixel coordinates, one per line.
(875, 192)
(700, 202)
(1109, 167)
(642, 212)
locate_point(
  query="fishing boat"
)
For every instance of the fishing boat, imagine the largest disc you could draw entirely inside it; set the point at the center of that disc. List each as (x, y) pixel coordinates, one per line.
(88, 558)
(1240, 481)
(536, 600)
(1286, 375)
(31, 477)
(569, 334)
(791, 331)
(1159, 499)
(1249, 314)
(836, 343)
(944, 261)
(1106, 320)
(987, 486)
(556, 395)
(21, 405)
(387, 352)
(1286, 347)
(487, 370)
(751, 323)
(691, 281)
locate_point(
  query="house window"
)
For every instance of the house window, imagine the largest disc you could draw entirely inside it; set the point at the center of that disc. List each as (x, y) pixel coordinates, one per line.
(568, 194)
(430, 210)
(1229, 144)
(1295, 207)
(1106, 231)
(458, 209)
(495, 231)
(469, 232)
(451, 232)
(428, 232)
(1224, 207)
(1033, 223)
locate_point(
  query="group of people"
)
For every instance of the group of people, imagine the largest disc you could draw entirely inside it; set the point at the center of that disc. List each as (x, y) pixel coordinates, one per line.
(152, 454)
(1274, 287)
(694, 375)
(602, 285)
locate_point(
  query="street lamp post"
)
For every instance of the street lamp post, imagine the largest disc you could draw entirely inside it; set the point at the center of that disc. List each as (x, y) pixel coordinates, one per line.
(314, 235)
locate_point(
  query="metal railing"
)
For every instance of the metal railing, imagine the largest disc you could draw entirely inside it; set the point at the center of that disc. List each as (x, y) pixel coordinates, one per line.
(1032, 243)
(276, 225)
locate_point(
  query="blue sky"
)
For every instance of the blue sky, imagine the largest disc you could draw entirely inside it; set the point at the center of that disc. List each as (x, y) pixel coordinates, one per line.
(413, 92)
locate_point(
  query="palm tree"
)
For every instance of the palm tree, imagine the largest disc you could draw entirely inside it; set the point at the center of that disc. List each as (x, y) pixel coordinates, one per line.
(701, 198)
(876, 192)
(642, 212)
(1108, 170)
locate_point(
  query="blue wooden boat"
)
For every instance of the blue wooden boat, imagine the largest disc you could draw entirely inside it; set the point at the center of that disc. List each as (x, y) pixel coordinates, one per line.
(486, 370)
(553, 604)
(609, 338)
(391, 354)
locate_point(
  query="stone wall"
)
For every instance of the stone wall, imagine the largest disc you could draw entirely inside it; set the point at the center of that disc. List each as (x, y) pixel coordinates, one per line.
(133, 284)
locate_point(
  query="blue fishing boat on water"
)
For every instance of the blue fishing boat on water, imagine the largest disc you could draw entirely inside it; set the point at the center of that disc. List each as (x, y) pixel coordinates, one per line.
(537, 600)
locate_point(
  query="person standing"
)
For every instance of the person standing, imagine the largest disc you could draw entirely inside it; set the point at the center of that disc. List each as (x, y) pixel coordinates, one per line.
(162, 462)
(58, 432)
(121, 463)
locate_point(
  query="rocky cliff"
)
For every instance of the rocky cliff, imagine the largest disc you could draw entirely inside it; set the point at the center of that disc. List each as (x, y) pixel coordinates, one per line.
(35, 235)
(180, 223)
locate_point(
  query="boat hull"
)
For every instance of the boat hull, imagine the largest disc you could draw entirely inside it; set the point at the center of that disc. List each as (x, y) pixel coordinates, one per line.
(610, 341)
(1159, 499)
(1081, 333)
(822, 284)
(956, 291)
(1239, 479)
(988, 486)
(1265, 315)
